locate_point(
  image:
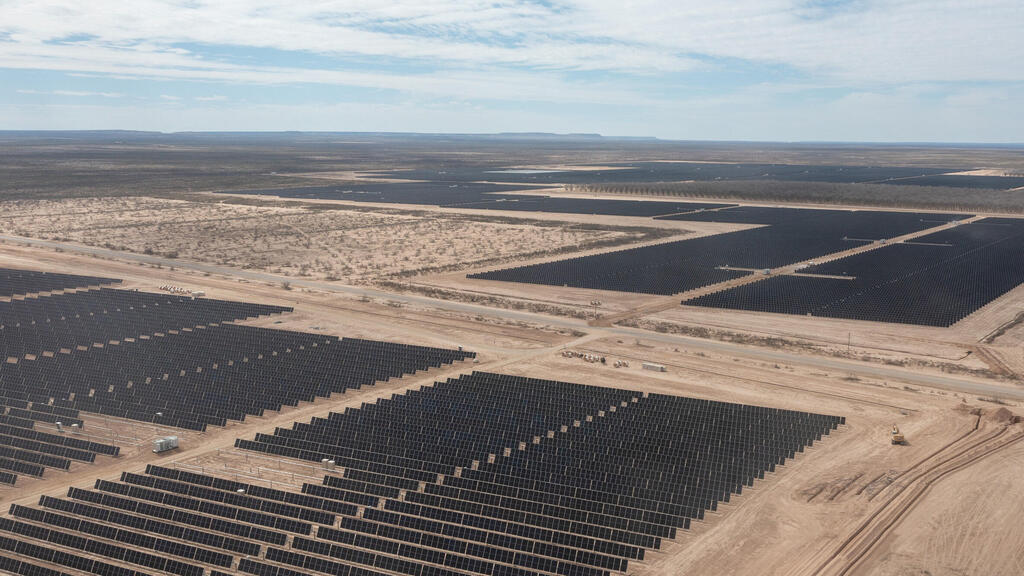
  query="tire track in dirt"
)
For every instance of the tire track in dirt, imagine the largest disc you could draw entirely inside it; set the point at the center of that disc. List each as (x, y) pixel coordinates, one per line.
(873, 529)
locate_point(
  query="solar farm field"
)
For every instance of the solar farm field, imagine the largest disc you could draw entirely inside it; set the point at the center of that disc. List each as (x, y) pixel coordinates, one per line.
(864, 223)
(668, 172)
(964, 181)
(481, 196)
(169, 360)
(19, 282)
(934, 280)
(488, 485)
(480, 473)
(589, 206)
(789, 236)
(464, 489)
(482, 372)
(467, 486)
(437, 193)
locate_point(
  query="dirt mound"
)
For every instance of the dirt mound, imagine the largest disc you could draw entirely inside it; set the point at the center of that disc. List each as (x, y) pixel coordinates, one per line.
(1003, 416)
(967, 409)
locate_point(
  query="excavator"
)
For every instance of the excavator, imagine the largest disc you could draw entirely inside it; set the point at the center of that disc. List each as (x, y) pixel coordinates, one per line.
(897, 436)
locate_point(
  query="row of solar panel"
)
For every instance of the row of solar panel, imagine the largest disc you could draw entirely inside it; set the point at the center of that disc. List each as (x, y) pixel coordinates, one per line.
(629, 477)
(23, 423)
(791, 235)
(223, 393)
(47, 417)
(60, 440)
(152, 525)
(200, 520)
(24, 450)
(493, 550)
(48, 538)
(133, 538)
(58, 557)
(935, 280)
(464, 513)
(394, 518)
(41, 516)
(66, 321)
(208, 385)
(371, 512)
(14, 281)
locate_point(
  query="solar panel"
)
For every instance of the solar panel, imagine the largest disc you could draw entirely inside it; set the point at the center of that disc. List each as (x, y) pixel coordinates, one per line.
(788, 236)
(933, 280)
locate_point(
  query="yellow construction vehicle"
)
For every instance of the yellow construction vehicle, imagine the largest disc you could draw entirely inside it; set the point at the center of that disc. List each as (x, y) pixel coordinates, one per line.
(897, 436)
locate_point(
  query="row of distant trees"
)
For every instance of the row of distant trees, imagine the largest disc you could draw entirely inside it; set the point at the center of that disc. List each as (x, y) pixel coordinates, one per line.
(881, 195)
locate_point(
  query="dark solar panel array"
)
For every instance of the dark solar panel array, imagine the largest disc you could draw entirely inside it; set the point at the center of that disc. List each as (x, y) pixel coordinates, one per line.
(486, 474)
(480, 196)
(764, 215)
(871, 224)
(677, 172)
(438, 193)
(32, 554)
(490, 473)
(17, 282)
(30, 452)
(170, 360)
(933, 280)
(563, 205)
(220, 373)
(964, 181)
(65, 321)
(791, 235)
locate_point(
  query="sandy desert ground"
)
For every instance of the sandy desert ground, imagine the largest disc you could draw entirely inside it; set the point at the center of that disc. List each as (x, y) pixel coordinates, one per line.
(348, 244)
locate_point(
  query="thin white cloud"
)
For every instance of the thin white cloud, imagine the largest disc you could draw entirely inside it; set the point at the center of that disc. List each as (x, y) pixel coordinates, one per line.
(523, 50)
(487, 83)
(75, 93)
(87, 94)
(868, 41)
(455, 32)
(169, 97)
(214, 98)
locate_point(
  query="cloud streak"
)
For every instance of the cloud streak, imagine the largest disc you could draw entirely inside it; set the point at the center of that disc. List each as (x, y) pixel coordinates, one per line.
(73, 93)
(653, 59)
(866, 41)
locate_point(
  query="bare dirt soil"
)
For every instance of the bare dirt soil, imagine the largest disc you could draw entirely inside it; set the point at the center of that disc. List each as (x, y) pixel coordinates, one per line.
(350, 245)
(952, 533)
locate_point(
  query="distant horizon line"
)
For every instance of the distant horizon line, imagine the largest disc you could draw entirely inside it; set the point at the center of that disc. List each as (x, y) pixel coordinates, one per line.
(526, 135)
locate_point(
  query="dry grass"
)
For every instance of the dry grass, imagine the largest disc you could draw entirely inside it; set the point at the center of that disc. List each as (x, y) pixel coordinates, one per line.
(354, 246)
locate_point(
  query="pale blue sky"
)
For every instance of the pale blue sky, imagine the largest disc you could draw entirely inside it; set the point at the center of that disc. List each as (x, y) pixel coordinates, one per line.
(853, 70)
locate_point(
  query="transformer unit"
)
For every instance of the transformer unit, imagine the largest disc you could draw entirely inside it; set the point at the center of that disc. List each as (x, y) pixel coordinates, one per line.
(164, 444)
